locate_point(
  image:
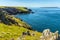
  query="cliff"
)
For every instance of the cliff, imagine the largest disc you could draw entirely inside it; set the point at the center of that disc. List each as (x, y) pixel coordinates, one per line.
(15, 10)
(12, 28)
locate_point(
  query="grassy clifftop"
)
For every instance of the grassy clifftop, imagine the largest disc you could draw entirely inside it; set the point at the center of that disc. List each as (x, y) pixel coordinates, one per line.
(9, 32)
(16, 10)
(12, 28)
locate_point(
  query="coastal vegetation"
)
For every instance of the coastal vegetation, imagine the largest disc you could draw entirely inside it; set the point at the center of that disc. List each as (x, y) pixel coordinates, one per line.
(12, 28)
(9, 32)
(16, 10)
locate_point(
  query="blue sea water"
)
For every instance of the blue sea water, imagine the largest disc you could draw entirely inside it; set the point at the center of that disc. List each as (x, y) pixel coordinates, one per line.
(43, 18)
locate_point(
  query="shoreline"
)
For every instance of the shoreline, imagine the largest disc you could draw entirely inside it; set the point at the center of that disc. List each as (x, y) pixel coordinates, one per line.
(15, 27)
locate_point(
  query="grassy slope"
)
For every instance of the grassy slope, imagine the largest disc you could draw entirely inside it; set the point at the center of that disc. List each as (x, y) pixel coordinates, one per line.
(13, 31)
(23, 9)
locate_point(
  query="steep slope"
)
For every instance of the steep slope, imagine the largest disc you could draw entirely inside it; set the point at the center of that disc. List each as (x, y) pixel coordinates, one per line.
(10, 20)
(12, 28)
(9, 32)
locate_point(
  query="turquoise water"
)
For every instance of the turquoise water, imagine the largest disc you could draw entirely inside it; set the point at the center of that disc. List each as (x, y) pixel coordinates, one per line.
(43, 18)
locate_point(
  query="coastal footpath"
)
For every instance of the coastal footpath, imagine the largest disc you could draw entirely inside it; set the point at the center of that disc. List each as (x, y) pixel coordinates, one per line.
(12, 28)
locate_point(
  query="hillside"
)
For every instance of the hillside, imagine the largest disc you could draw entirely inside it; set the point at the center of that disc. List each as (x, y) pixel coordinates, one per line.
(13, 32)
(12, 28)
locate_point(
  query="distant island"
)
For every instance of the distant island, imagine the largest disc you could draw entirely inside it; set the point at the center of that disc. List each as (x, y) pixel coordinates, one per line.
(49, 7)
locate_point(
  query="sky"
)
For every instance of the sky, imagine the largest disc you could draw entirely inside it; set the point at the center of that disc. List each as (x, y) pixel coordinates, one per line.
(31, 3)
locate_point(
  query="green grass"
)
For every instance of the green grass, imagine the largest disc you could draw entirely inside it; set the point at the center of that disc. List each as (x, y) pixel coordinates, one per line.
(22, 8)
(19, 8)
(13, 31)
(7, 32)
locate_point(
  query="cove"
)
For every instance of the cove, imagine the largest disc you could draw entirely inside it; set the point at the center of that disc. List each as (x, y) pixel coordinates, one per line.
(43, 18)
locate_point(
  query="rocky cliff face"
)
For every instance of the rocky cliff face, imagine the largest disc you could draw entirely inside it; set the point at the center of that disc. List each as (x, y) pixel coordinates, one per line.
(10, 20)
(16, 10)
(48, 35)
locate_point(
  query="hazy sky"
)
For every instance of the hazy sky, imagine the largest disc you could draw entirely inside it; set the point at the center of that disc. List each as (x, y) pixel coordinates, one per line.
(31, 3)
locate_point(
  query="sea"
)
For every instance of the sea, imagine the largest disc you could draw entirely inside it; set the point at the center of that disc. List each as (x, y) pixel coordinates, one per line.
(42, 18)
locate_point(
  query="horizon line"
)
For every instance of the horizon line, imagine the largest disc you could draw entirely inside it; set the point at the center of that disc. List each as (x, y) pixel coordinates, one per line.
(28, 6)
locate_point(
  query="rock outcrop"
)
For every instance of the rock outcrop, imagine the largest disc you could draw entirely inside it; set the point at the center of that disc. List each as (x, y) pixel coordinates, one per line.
(48, 35)
(16, 10)
(11, 20)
